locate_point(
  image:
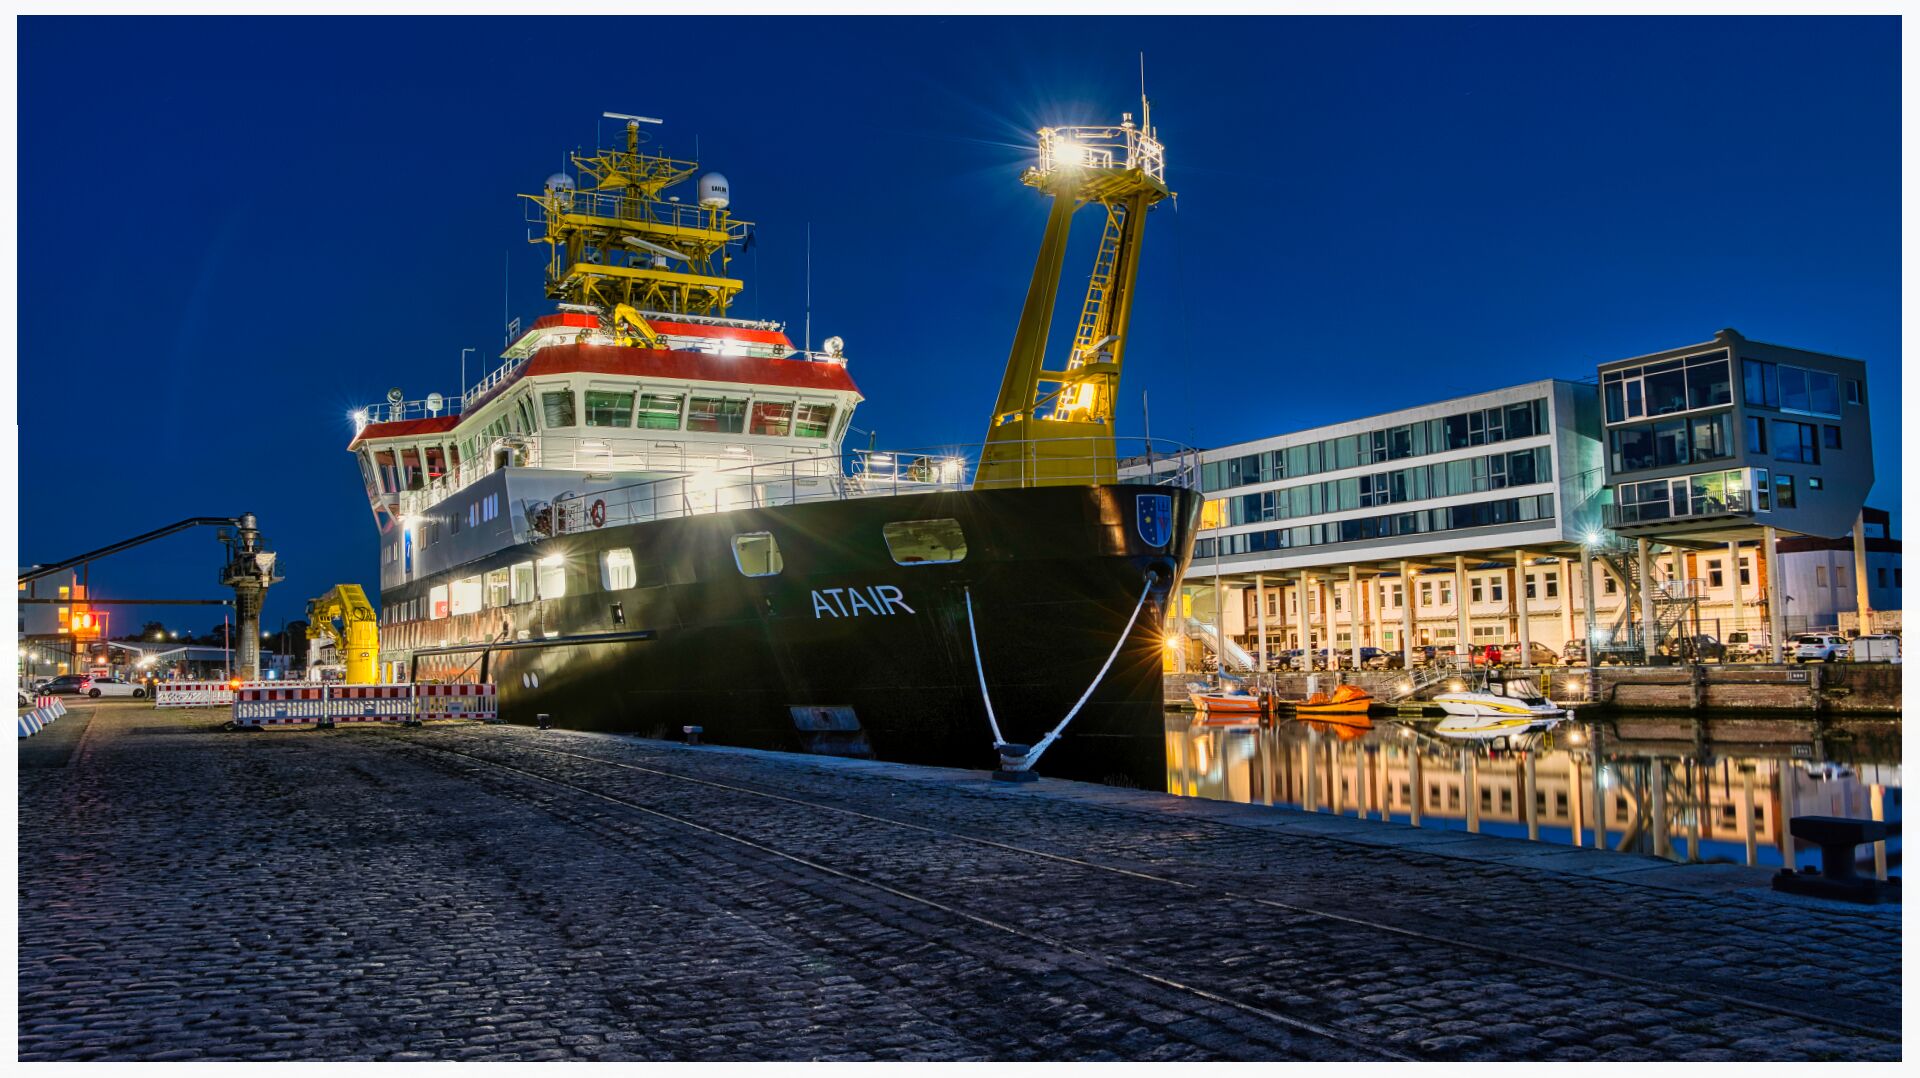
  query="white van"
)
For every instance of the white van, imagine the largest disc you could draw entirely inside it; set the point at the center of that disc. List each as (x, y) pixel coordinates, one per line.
(1882, 648)
(1749, 645)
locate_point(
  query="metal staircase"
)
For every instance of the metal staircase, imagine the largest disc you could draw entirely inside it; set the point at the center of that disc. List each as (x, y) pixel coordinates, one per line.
(1095, 312)
(1237, 657)
(1676, 605)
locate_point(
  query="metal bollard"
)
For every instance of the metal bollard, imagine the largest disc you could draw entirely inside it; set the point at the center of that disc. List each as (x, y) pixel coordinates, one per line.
(1011, 759)
(543, 721)
(693, 734)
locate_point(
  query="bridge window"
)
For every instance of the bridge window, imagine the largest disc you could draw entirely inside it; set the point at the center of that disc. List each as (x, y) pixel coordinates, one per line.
(556, 409)
(437, 602)
(772, 418)
(496, 593)
(659, 411)
(609, 409)
(757, 554)
(812, 420)
(616, 569)
(925, 542)
(720, 415)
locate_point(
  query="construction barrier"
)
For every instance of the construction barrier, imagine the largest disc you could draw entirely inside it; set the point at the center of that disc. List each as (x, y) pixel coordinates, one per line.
(313, 703)
(31, 722)
(279, 704)
(200, 693)
(464, 701)
(370, 703)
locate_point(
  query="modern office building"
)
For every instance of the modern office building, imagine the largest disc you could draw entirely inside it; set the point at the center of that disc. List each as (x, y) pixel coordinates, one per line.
(1630, 513)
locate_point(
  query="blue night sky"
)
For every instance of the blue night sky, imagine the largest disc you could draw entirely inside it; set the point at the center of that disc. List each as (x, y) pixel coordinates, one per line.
(233, 231)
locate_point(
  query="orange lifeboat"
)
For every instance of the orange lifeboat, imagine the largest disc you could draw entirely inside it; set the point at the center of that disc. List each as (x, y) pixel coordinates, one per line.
(1346, 701)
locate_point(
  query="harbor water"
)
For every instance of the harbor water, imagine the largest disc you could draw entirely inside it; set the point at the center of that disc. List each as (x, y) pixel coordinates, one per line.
(1687, 788)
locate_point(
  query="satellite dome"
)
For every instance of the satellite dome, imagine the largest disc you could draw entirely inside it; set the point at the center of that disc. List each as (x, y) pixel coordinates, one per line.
(559, 181)
(714, 192)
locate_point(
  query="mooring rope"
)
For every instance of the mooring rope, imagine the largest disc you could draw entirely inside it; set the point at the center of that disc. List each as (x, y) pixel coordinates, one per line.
(1033, 755)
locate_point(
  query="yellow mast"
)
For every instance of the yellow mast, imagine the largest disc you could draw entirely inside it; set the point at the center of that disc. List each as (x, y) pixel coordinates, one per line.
(1055, 427)
(614, 241)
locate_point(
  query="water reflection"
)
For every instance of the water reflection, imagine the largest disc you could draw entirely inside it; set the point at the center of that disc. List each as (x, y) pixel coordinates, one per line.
(1679, 787)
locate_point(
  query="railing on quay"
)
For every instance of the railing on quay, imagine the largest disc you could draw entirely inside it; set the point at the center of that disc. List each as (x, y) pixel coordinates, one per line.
(859, 473)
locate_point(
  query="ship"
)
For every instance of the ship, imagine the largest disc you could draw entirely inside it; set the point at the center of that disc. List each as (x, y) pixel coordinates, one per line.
(648, 517)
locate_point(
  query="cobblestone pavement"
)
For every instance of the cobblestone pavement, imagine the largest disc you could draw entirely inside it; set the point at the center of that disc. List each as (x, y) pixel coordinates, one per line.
(502, 893)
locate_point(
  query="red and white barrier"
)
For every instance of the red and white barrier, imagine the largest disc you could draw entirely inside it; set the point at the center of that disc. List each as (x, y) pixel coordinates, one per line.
(282, 704)
(313, 703)
(370, 703)
(201, 693)
(464, 701)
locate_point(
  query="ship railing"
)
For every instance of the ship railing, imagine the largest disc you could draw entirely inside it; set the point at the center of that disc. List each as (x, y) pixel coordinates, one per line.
(498, 376)
(858, 473)
(396, 412)
(619, 207)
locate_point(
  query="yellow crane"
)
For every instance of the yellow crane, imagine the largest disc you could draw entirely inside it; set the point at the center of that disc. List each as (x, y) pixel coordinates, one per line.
(356, 638)
(1055, 427)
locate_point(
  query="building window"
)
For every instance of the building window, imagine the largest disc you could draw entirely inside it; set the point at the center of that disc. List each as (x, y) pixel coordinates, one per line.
(1796, 442)
(758, 554)
(437, 602)
(1715, 577)
(1880, 576)
(812, 420)
(720, 415)
(1783, 497)
(496, 590)
(609, 409)
(1746, 572)
(1553, 585)
(616, 569)
(1756, 434)
(1446, 593)
(556, 409)
(1608, 584)
(1678, 385)
(1533, 587)
(925, 542)
(1820, 576)
(1853, 391)
(551, 577)
(772, 418)
(1496, 590)
(1814, 483)
(523, 583)
(1830, 436)
(658, 411)
(464, 596)
(1426, 593)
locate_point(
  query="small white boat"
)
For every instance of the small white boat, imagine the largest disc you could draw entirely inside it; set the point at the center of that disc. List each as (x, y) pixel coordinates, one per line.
(1517, 699)
(1492, 727)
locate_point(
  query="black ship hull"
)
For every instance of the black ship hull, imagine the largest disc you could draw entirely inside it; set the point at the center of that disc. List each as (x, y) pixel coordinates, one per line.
(846, 651)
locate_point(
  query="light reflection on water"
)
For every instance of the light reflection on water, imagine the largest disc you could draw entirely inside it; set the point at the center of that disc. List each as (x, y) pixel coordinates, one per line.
(1676, 786)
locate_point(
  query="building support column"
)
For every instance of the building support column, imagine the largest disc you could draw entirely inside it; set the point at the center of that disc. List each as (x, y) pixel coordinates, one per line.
(1565, 569)
(1574, 799)
(1521, 582)
(1406, 616)
(1463, 644)
(1746, 808)
(1644, 569)
(1377, 625)
(1305, 592)
(1416, 785)
(1861, 599)
(1733, 559)
(1470, 780)
(1586, 599)
(1260, 616)
(1353, 613)
(1776, 616)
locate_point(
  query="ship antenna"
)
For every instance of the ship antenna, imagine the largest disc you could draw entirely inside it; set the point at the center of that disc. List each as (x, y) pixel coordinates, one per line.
(809, 287)
(1146, 107)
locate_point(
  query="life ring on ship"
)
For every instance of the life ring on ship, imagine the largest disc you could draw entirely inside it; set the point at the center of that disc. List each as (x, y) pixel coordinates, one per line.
(597, 512)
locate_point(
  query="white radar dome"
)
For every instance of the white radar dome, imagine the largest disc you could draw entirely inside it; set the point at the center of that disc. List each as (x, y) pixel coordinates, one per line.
(714, 192)
(559, 181)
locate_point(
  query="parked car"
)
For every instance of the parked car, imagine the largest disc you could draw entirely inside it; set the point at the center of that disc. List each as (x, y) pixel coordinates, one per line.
(1381, 659)
(1575, 653)
(1538, 654)
(67, 685)
(1821, 647)
(1749, 645)
(1706, 649)
(114, 686)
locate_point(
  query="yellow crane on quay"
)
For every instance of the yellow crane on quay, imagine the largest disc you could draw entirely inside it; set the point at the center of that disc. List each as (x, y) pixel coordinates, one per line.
(356, 637)
(1054, 427)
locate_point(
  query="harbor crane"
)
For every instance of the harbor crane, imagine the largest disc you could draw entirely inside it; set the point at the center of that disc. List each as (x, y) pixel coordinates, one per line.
(1054, 427)
(356, 636)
